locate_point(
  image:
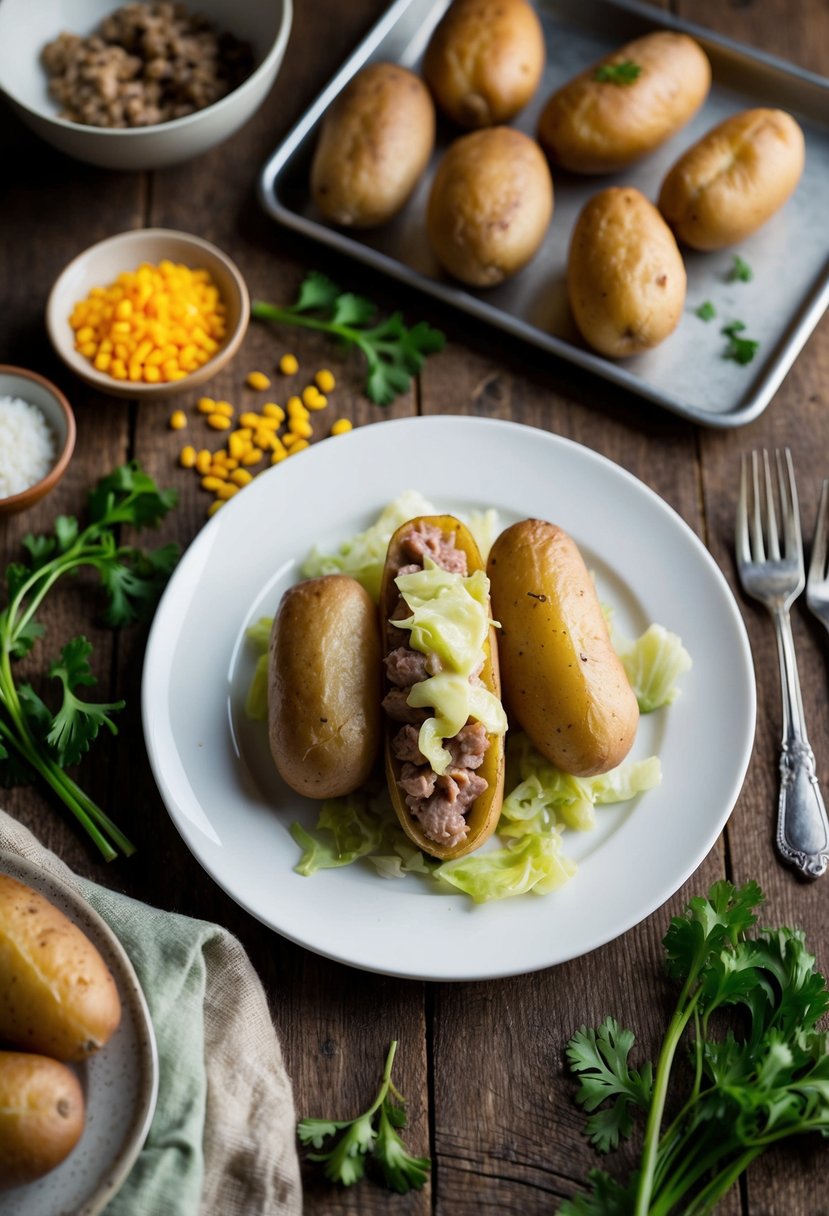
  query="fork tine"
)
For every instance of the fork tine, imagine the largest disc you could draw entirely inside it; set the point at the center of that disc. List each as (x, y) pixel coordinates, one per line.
(758, 545)
(741, 537)
(773, 536)
(789, 505)
(817, 564)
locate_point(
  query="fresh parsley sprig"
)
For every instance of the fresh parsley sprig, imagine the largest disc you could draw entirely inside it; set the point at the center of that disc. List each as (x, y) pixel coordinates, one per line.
(741, 350)
(393, 352)
(374, 1135)
(37, 742)
(753, 1082)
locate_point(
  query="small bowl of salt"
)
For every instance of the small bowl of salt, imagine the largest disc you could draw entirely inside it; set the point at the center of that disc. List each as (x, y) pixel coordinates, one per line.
(37, 437)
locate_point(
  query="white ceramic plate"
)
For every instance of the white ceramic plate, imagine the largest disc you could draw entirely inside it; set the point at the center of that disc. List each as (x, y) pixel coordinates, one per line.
(120, 1082)
(212, 766)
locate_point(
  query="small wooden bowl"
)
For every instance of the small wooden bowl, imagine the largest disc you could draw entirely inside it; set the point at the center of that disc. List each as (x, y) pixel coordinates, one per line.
(37, 390)
(101, 264)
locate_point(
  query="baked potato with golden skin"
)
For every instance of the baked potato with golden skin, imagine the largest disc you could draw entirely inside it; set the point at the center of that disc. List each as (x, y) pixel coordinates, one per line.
(42, 1116)
(563, 683)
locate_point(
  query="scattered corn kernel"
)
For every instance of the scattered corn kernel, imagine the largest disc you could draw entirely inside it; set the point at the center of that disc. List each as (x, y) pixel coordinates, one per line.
(325, 381)
(226, 490)
(310, 394)
(258, 380)
(163, 321)
(298, 446)
(241, 477)
(249, 419)
(301, 427)
(341, 427)
(219, 422)
(214, 506)
(252, 456)
(271, 410)
(218, 470)
(205, 405)
(178, 420)
(238, 443)
(224, 407)
(187, 457)
(319, 402)
(290, 439)
(289, 365)
(204, 460)
(279, 454)
(296, 407)
(211, 482)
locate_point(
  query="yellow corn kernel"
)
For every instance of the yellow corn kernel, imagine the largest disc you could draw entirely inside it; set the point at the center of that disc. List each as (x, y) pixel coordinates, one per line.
(290, 439)
(263, 423)
(271, 410)
(267, 440)
(211, 482)
(279, 454)
(220, 456)
(238, 442)
(249, 419)
(319, 402)
(296, 409)
(325, 381)
(187, 457)
(298, 446)
(241, 477)
(206, 405)
(224, 407)
(178, 420)
(214, 506)
(310, 394)
(117, 369)
(301, 427)
(289, 365)
(226, 489)
(102, 361)
(219, 422)
(218, 470)
(203, 461)
(341, 427)
(258, 380)
(252, 456)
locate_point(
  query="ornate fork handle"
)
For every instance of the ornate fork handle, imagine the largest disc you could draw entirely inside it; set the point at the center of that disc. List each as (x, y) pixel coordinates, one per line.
(802, 825)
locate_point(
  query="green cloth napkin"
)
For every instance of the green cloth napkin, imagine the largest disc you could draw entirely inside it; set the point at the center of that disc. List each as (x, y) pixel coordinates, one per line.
(222, 1140)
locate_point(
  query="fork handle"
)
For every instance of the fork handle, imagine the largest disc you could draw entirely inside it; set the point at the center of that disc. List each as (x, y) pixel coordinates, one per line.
(802, 825)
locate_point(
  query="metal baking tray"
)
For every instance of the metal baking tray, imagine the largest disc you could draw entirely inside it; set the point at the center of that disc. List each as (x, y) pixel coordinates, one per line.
(688, 373)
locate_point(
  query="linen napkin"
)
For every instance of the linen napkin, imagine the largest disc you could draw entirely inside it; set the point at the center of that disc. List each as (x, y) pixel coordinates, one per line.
(222, 1140)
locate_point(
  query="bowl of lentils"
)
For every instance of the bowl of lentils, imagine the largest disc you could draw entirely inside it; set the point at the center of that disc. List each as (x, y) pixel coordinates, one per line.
(143, 85)
(37, 438)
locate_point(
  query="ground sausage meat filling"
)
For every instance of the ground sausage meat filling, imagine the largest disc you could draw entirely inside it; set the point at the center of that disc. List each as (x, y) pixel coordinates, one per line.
(439, 802)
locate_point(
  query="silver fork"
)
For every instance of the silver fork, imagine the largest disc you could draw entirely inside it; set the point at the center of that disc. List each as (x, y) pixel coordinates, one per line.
(776, 578)
(817, 583)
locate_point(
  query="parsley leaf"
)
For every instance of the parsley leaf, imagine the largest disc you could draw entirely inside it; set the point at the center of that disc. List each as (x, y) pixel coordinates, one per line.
(741, 350)
(706, 311)
(363, 1139)
(393, 352)
(38, 743)
(618, 73)
(761, 1078)
(740, 271)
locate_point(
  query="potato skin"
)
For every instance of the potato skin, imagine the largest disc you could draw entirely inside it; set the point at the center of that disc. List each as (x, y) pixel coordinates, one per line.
(374, 143)
(564, 685)
(486, 810)
(42, 1116)
(490, 205)
(626, 279)
(57, 995)
(729, 183)
(595, 126)
(324, 686)
(485, 60)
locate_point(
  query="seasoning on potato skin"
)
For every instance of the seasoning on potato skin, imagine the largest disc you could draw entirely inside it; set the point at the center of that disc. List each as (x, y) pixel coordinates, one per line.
(597, 126)
(626, 279)
(485, 60)
(733, 179)
(490, 205)
(324, 678)
(563, 683)
(375, 142)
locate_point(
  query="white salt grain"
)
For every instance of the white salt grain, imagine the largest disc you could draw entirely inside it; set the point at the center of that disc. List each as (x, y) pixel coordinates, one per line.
(27, 446)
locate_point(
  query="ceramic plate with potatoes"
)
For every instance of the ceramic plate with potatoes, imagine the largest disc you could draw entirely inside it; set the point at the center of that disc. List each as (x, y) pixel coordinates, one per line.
(621, 188)
(242, 786)
(78, 1059)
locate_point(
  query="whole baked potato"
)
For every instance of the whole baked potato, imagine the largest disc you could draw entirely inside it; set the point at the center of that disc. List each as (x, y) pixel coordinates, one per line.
(42, 1116)
(374, 143)
(57, 995)
(625, 105)
(490, 205)
(733, 179)
(324, 686)
(485, 60)
(626, 279)
(562, 681)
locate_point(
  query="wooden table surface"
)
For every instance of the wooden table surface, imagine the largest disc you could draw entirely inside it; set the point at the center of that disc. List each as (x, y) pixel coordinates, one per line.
(481, 1063)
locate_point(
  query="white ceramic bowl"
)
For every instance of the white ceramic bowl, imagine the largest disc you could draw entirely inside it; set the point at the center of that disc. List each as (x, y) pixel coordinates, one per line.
(30, 386)
(100, 265)
(26, 26)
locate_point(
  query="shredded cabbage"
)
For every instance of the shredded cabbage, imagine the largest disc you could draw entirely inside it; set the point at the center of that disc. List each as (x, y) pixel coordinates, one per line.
(256, 702)
(484, 526)
(653, 663)
(534, 863)
(363, 556)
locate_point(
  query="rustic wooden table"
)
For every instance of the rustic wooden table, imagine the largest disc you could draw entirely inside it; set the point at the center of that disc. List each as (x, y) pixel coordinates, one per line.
(481, 1063)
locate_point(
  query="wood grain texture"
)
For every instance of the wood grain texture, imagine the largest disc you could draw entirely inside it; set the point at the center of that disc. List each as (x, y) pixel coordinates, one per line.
(481, 1064)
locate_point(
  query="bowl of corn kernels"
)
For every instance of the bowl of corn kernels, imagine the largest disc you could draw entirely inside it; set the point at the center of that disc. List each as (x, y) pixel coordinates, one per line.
(148, 314)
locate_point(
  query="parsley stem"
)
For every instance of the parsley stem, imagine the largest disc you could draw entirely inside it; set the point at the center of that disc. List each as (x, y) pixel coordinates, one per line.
(271, 312)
